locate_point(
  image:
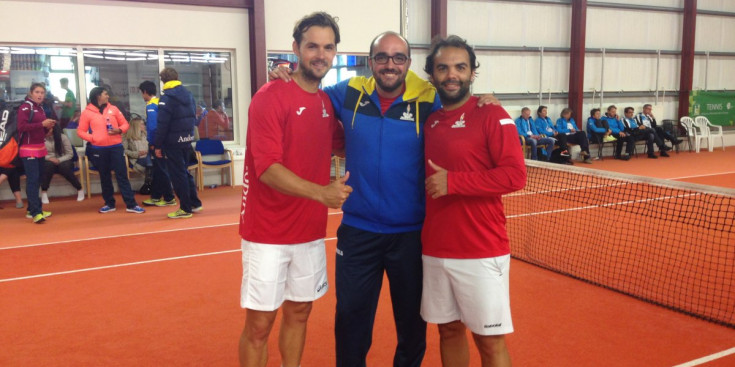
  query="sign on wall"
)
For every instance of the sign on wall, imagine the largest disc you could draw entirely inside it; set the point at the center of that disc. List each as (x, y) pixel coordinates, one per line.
(718, 107)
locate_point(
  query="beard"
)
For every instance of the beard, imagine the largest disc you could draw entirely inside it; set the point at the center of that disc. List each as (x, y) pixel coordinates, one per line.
(310, 74)
(449, 98)
(389, 86)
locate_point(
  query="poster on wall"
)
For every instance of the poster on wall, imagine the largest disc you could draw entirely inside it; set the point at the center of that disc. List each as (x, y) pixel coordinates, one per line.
(718, 107)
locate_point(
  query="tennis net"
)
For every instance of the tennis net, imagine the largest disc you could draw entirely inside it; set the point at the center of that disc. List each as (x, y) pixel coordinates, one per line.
(665, 242)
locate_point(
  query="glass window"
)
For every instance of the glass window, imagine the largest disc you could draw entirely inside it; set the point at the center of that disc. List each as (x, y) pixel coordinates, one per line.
(121, 71)
(343, 66)
(22, 66)
(208, 76)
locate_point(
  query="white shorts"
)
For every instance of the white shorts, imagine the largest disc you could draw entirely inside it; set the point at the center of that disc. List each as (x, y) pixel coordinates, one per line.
(272, 274)
(474, 291)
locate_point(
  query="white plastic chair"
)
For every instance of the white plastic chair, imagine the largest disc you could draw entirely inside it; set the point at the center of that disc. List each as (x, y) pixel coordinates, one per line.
(692, 132)
(713, 131)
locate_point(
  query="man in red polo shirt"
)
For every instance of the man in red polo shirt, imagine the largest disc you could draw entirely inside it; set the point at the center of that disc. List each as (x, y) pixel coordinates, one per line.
(472, 158)
(292, 133)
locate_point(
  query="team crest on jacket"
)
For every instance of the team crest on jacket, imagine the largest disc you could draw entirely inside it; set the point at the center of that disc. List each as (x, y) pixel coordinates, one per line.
(459, 123)
(408, 116)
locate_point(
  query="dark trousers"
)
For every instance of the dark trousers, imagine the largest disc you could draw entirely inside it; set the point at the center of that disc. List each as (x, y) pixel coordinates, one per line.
(177, 163)
(13, 176)
(66, 169)
(107, 160)
(33, 167)
(579, 138)
(160, 182)
(561, 141)
(362, 257)
(646, 134)
(629, 144)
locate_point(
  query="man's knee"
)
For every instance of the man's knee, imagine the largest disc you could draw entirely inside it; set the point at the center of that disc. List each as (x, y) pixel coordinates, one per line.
(258, 325)
(451, 330)
(296, 312)
(490, 344)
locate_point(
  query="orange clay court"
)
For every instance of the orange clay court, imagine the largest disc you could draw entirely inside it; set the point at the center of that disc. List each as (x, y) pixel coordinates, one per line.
(86, 289)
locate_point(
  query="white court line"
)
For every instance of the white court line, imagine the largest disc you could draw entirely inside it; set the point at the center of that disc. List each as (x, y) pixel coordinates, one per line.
(708, 358)
(125, 235)
(707, 175)
(126, 264)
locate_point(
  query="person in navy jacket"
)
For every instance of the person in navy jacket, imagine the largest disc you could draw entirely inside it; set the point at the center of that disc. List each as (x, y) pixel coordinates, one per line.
(567, 126)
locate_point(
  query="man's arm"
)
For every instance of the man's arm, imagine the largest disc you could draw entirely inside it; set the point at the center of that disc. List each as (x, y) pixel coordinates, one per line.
(283, 180)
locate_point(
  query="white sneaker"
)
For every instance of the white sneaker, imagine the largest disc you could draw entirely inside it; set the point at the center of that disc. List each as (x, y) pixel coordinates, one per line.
(44, 197)
(80, 195)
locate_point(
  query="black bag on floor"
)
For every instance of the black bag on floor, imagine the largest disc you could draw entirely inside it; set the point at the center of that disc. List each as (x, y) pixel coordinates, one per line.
(558, 157)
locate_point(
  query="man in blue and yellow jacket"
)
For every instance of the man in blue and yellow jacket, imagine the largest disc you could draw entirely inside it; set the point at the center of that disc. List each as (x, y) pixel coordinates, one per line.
(383, 118)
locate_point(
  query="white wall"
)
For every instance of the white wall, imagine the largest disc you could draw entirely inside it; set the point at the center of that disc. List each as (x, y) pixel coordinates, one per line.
(359, 21)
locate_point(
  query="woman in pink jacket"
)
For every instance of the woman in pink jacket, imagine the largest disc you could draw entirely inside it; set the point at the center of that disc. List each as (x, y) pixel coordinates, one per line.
(101, 124)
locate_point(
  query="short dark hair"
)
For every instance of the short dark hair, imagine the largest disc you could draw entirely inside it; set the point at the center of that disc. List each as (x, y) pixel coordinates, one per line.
(452, 41)
(316, 19)
(629, 109)
(647, 105)
(592, 111)
(169, 74)
(372, 43)
(611, 107)
(539, 109)
(149, 87)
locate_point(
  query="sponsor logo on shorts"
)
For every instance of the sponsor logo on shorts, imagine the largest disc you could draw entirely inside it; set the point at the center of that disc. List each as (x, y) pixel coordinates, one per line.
(321, 286)
(492, 326)
(339, 252)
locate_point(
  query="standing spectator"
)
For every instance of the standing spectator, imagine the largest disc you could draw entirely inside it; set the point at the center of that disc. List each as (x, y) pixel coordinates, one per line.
(69, 105)
(291, 136)
(175, 133)
(32, 128)
(566, 125)
(59, 160)
(527, 129)
(161, 192)
(472, 160)
(105, 150)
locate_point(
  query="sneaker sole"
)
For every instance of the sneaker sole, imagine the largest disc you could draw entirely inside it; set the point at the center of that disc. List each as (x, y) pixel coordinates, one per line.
(167, 204)
(181, 216)
(107, 211)
(133, 211)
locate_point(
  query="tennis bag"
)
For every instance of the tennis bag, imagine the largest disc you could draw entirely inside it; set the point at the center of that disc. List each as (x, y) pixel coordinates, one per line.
(557, 157)
(9, 132)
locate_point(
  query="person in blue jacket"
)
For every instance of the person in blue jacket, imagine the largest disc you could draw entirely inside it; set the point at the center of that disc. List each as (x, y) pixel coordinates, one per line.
(527, 129)
(546, 128)
(598, 131)
(618, 131)
(567, 126)
(161, 192)
(641, 132)
(175, 133)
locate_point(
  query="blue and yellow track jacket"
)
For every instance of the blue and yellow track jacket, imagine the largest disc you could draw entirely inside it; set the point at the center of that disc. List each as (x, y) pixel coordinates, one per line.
(384, 153)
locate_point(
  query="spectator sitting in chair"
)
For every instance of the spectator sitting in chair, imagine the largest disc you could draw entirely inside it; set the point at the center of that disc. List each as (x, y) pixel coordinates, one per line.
(527, 129)
(646, 118)
(641, 132)
(618, 131)
(567, 126)
(598, 130)
(546, 128)
(59, 154)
